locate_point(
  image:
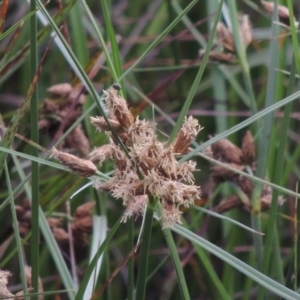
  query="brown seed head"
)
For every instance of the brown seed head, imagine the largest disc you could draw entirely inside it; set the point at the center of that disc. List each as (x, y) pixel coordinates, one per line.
(225, 37)
(221, 174)
(170, 214)
(78, 140)
(77, 165)
(62, 90)
(118, 108)
(248, 148)
(84, 210)
(109, 151)
(101, 125)
(188, 132)
(135, 207)
(225, 151)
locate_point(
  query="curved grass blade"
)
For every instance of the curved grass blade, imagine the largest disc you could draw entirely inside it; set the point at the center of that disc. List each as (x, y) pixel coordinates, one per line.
(177, 264)
(272, 222)
(268, 283)
(294, 36)
(34, 134)
(209, 212)
(16, 231)
(241, 125)
(143, 264)
(93, 263)
(101, 39)
(99, 235)
(112, 38)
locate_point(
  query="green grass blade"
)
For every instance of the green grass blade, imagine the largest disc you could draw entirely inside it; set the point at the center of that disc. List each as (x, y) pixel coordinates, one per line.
(224, 218)
(197, 80)
(241, 52)
(78, 35)
(93, 263)
(241, 125)
(294, 35)
(264, 142)
(16, 231)
(143, 264)
(112, 38)
(250, 272)
(177, 264)
(34, 131)
(102, 42)
(219, 286)
(130, 246)
(16, 25)
(272, 223)
(99, 235)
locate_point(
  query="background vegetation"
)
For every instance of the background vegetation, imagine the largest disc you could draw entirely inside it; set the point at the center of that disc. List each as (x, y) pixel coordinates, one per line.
(55, 221)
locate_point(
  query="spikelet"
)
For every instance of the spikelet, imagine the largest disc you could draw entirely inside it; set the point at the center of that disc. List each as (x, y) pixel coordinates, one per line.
(77, 165)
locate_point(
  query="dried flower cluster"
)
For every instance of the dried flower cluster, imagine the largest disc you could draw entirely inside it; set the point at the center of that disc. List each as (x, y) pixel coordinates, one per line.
(240, 159)
(60, 112)
(152, 168)
(4, 292)
(226, 40)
